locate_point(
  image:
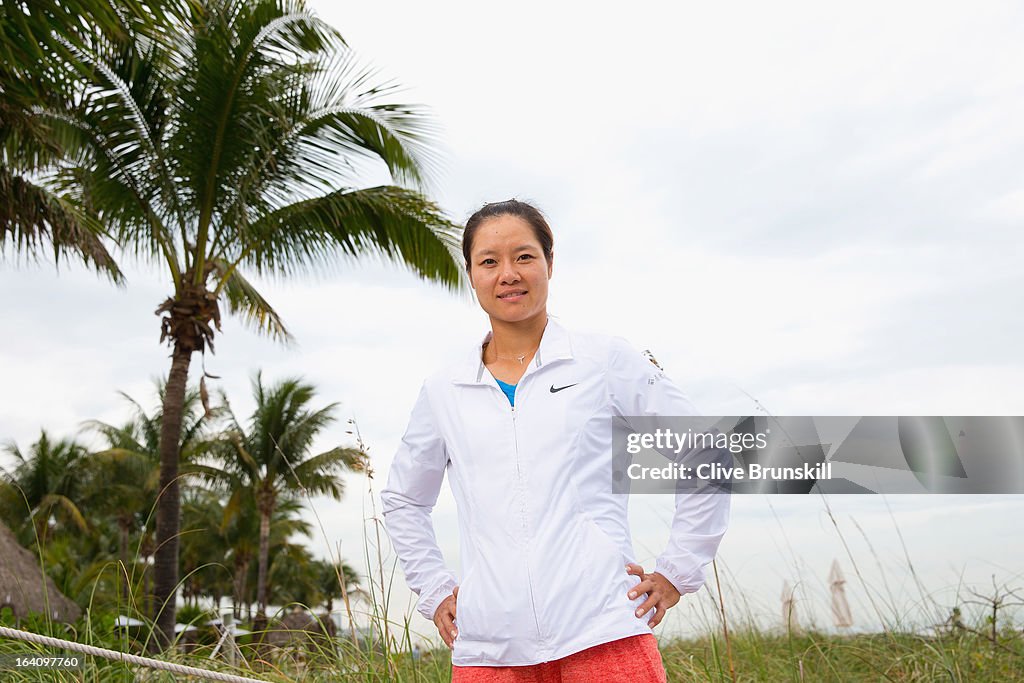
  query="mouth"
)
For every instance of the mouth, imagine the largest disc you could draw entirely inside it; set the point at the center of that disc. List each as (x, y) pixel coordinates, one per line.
(514, 295)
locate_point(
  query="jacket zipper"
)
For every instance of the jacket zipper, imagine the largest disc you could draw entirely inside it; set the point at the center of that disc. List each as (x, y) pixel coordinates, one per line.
(522, 489)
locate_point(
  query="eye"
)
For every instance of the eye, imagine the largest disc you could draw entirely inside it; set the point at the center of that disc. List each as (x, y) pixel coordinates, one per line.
(526, 256)
(488, 262)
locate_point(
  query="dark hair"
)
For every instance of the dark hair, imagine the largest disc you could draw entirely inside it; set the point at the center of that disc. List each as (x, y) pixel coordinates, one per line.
(513, 207)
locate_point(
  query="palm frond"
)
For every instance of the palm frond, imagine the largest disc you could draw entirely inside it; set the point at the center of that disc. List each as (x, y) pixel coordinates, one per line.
(325, 132)
(30, 215)
(58, 503)
(244, 60)
(352, 113)
(129, 106)
(392, 223)
(244, 300)
(302, 429)
(319, 474)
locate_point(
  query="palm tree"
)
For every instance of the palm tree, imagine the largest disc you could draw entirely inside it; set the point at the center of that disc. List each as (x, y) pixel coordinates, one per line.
(241, 526)
(297, 577)
(205, 547)
(328, 577)
(285, 525)
(234, 143)
(268, 461)
(210, 530)
(212, 536)
(122, 488)
(44, 485)
(124, 476)
(80, 564)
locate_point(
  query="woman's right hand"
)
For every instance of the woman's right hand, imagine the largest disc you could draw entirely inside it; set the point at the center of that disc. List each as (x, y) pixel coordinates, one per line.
(444, 618)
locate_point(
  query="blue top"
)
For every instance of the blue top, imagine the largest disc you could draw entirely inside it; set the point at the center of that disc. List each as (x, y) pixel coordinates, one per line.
(509, 389)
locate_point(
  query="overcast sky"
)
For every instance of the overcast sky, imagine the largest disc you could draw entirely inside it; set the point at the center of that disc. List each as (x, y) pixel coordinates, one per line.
(817, 206)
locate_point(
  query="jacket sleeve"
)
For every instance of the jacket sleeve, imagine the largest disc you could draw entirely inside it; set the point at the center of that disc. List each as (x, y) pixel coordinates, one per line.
(639, 388)
(408, 499)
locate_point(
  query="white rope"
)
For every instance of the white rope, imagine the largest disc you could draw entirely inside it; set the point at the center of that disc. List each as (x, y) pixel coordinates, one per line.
(123, 656)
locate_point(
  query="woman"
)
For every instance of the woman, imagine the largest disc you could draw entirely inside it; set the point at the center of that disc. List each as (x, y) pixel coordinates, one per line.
(523, 429)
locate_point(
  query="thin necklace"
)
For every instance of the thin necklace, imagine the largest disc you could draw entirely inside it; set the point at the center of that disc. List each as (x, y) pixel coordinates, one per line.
(519, 358)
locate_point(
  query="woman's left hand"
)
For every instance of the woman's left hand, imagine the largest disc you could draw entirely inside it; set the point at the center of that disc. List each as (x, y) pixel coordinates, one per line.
(661, 594)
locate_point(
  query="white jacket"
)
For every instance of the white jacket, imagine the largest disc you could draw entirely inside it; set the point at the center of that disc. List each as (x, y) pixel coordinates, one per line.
(544, 541)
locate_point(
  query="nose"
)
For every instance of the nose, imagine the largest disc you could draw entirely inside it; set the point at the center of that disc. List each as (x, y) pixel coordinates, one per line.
(509, 274)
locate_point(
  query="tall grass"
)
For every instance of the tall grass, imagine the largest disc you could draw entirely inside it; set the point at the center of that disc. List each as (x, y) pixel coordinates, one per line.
(976, 641)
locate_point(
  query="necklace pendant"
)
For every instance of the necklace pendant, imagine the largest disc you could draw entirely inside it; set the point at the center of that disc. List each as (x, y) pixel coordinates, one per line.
(520, 358)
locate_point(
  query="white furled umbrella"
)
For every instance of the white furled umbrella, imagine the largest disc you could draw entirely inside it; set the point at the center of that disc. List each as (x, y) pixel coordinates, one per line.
(235, 630)
(789, 619)
(841, 616)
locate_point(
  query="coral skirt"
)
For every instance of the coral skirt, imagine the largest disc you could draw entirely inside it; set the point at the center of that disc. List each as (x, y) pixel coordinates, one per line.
(628, 660)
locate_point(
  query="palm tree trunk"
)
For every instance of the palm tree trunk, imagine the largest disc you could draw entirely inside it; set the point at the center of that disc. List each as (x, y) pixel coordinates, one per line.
(146, 551)
(261, 576)
(123, 542)
(241, 571)
(147, 583)
(168, 509)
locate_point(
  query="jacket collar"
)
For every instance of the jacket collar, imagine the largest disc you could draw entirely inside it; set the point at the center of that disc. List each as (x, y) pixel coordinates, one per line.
(555, 345)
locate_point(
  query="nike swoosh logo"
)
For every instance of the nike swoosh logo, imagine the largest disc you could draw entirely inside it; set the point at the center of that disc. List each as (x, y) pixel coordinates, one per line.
(555, 391)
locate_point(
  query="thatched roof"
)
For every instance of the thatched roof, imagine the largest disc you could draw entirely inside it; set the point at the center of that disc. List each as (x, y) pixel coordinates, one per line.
(21, 583)
(299, 626)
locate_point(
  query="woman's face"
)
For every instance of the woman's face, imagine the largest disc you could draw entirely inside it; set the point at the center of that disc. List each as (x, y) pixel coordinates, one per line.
(508, 270)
